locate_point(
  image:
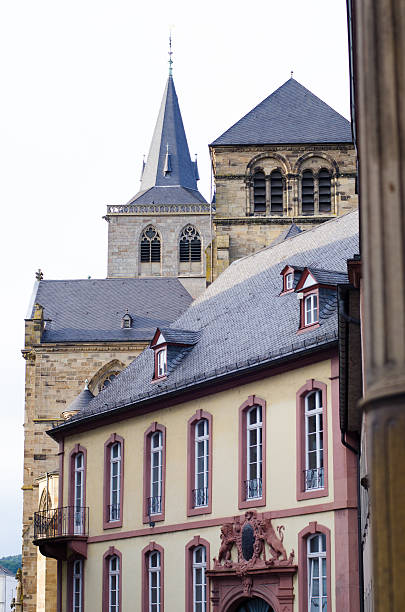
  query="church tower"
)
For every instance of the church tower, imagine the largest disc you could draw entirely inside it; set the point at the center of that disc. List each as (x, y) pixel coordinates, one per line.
(286, 166)
(164, 229)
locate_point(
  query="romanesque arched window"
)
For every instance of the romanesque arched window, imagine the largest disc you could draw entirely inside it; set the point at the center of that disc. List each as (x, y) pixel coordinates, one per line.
(150, 245)
(324, 181)
(190, 245)
(259, 192)
(307, 192)
(276, 192)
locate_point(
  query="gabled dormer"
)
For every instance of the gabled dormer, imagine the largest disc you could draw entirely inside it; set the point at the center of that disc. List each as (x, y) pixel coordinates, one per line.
(169, 347)
(290, 277)
(316, 291)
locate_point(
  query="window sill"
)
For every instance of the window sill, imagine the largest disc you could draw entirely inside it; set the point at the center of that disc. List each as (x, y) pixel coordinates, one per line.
(252, 503)
(312, 494)
(199, 510)
(153, 518)
(302, 330)
(112, 524)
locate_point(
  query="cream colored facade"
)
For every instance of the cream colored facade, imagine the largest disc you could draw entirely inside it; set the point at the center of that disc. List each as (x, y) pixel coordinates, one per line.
(334, 511)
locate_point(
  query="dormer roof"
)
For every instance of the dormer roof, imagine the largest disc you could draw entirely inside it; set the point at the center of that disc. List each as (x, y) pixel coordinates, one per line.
(311, 277)
(179, 337)
(290, 115)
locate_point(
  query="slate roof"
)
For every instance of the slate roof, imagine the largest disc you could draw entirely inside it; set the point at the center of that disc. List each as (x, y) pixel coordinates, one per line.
(91, 310)
(82, 400)
(329, 277)
(291, 114)
(180, 336)
(243, 320)
(290, 232)
(169, 149)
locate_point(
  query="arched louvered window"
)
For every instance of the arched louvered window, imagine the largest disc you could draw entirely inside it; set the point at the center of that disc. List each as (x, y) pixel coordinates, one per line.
(276, 192)
(150, 245)
(307, 192)
(324, 179)
(259, 192)
(190, 245)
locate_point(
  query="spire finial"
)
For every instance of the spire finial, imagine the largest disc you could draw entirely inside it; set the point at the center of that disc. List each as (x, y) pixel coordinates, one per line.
(170, 55)
(292, 72)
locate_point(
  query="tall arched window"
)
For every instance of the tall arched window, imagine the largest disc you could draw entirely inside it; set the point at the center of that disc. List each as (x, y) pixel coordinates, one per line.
(154, 469)
(113, 481)
(112, 587)
(254, 453)
(317, 574)
(156, 480)
(79, 493)
(201, 463)
(324, 180)
(313, 441)
(307, 192)
(259, 192)
(78, 586)
(276, 192)
(199, 579)
(190, 245)
(150, 245)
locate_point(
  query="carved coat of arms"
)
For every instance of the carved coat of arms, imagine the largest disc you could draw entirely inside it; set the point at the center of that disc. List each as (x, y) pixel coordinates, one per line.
(253, 537)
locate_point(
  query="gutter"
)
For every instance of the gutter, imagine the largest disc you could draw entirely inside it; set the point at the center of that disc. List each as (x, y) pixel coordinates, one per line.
(59, 431)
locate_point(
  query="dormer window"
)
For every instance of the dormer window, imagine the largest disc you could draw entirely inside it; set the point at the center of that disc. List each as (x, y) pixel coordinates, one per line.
(288, 273)
(311, 309)
(289, 280)
(126, 321)
(161, 363)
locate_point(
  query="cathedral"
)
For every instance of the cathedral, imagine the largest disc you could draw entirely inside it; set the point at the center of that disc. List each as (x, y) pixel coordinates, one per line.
(193, 390)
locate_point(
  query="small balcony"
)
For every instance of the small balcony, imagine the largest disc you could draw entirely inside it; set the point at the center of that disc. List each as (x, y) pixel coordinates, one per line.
(61, 531)
(200, 497)
(313, 479)
(253, 489)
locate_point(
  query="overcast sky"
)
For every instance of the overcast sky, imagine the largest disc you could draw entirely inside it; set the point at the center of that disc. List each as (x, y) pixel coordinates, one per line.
(81, 84)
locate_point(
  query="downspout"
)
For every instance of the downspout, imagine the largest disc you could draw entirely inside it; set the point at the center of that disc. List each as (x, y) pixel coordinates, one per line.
(348, 319)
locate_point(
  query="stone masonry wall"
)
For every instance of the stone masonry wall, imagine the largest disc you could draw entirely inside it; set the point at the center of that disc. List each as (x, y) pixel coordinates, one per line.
(238, 230)
(55, 375)
(124, 233)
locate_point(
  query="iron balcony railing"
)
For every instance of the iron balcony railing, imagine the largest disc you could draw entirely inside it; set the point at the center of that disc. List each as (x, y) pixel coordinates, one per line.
(253, 488)
(114, 512)
(59, 522)
(200, 497)
(313, 479)
(154, 505)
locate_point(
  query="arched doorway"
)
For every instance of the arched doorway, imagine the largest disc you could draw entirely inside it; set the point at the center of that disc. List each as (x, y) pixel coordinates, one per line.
(254, 605)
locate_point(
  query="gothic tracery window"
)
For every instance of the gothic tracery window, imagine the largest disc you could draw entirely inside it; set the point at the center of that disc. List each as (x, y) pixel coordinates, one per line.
(190, 245)
(150, 245)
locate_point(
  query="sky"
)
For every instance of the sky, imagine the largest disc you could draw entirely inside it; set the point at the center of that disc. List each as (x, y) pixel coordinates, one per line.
(81, 85)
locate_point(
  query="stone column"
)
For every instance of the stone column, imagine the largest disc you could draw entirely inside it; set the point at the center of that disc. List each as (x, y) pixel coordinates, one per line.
(379, 51)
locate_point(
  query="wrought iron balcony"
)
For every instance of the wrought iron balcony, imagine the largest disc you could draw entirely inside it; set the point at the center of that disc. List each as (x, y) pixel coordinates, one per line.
(253, 488)
(61, 522)
(200, 497)
(313, 479)
(154, 505)
(114, 512)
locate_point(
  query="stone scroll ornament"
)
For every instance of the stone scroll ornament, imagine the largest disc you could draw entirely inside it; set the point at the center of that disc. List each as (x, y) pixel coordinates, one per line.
(252, 536)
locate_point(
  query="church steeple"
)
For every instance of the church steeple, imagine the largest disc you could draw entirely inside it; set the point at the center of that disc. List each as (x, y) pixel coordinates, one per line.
(169, 164)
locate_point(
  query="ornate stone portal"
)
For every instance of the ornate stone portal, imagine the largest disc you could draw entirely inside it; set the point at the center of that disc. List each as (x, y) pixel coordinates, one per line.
(262, 568)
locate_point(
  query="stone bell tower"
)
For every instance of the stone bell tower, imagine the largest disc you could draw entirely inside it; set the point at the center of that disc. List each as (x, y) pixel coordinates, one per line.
(164, 230)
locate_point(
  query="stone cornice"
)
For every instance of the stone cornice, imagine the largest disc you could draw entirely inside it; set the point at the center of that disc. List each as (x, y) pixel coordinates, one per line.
(89, 347)
(270, 220)
(341, 146)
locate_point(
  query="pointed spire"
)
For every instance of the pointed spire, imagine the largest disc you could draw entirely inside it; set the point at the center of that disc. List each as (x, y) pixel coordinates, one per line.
(169, 161)
(168, 164)
(170, 55)
(196, 174)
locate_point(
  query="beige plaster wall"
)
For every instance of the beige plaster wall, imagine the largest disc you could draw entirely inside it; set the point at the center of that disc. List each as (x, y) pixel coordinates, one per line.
(175, 562)
(280, 394)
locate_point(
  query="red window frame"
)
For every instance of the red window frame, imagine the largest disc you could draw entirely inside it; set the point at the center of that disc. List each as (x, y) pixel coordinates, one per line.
(69, 586)
(71, 483)
(252, 400)
(107, 524)
(111, 552)
(189, 549)
(310, 385)
(284, 273)
(191, 425)
(315, 324)
(303, 535)
(146, 472)
(151, 547)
